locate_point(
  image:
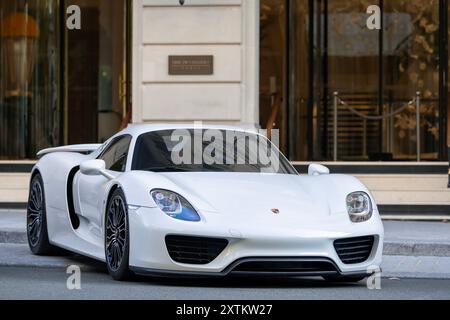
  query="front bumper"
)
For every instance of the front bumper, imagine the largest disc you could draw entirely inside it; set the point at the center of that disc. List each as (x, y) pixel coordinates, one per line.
(269, 242)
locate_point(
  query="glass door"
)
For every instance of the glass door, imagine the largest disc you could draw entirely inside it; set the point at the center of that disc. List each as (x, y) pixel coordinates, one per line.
(411, 66)
(352, 71)
(29, 77)
(285, 73)
(273, 49)
(384, 84)
(96, 72)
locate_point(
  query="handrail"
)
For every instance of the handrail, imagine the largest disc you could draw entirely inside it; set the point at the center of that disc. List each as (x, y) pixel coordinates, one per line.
(337, 100)
(276, 106)
(382, 117)
(126, 120)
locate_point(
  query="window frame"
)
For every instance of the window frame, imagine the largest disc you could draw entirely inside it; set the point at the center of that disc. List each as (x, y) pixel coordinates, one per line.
(111, 144)
(133, 166)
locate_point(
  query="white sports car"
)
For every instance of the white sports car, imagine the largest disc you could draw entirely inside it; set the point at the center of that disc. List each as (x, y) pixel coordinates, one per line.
(176, 200)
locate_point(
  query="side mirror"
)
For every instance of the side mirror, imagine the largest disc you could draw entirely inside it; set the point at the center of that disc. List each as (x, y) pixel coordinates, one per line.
(317, 170)
(95, 167)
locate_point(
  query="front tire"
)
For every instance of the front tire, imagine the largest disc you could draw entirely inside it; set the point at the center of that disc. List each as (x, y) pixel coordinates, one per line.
(37, 232)
(117, 237)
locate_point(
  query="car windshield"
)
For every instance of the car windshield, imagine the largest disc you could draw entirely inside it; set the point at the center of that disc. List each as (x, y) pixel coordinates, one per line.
(195, 150)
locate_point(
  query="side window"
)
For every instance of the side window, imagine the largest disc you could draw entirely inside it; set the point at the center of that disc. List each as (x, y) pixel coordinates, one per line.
(115, 156)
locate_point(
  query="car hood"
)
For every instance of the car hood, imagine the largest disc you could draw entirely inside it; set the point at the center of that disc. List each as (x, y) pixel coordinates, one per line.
(242, 199)
(256, 195)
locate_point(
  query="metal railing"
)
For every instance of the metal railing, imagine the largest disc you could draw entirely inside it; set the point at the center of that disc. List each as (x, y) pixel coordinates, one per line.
(338, 101)
(275, 109)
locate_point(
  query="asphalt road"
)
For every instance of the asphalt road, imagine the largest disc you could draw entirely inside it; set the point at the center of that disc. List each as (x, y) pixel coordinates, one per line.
(50, 283)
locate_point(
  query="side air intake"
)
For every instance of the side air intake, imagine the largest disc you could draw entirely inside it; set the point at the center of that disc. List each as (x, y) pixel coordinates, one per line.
(354, 250)
(194, 250)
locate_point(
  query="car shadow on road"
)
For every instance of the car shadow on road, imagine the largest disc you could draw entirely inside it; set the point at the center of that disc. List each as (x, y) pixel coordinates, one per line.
(233, 282)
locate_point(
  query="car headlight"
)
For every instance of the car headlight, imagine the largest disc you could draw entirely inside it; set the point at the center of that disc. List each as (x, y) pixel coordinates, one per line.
(174, 205)
(359, 206)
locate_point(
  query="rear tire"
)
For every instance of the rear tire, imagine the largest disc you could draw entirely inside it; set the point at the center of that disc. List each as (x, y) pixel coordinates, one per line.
(37, 232)
(117, 237)
(344, 279)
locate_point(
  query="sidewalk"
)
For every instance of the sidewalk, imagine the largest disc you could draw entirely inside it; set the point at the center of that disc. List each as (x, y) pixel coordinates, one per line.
(417, 238)
(411, 249)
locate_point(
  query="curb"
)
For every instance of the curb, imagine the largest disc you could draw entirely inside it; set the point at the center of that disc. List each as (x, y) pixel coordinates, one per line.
(391, 248)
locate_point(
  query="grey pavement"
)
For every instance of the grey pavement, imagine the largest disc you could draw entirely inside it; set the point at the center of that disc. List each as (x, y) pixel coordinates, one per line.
(413, 267)
(12, 226)
(43, 283)
(19, 255)
(417, 238)
(436, 232)
(12, 220)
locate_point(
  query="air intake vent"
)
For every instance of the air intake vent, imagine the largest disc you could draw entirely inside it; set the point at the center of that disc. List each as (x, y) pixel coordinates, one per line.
(286, 267)
(194, 250)
(354, 250)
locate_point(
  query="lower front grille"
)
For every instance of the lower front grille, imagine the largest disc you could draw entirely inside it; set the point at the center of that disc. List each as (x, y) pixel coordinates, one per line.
(194, 250)
(354, 250)
(285, 266)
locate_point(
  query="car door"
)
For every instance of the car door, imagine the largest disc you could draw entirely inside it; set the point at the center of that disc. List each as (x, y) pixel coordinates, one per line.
(92, 188)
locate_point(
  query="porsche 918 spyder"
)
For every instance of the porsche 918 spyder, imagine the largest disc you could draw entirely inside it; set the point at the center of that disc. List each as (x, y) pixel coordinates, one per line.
(160, 200)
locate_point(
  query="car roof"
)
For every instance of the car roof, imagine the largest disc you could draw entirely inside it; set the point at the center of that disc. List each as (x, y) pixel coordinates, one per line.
(136, 130)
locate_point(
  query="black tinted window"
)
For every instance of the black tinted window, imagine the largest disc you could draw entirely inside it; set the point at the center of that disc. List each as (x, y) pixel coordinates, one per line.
(115, 155)
(220, 151)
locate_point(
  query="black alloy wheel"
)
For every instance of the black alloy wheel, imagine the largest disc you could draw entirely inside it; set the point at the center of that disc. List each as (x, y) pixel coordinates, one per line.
(117, 246)
(37, 232)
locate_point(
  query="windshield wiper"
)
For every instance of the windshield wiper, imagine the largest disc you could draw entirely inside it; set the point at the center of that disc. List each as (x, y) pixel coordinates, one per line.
(167, 169)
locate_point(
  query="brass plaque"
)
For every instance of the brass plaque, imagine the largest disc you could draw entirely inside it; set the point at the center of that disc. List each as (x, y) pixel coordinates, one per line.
(191, 65)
